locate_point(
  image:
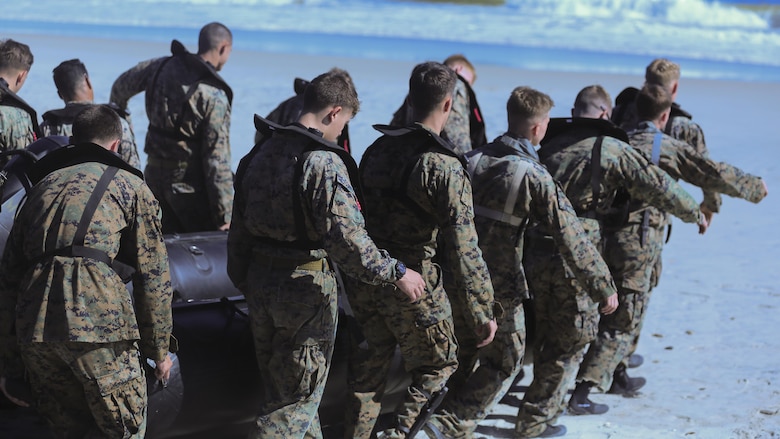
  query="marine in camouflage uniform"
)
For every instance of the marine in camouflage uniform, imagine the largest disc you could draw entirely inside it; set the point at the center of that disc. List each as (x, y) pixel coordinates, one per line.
(565, 309)
(75, 89)
(60, 123)
(289, 111)
(295, 206)
(83, 335)
(511, 188)
(416, 190)
(18, 121)
(188, 104)
(633, 250)
(465, 128)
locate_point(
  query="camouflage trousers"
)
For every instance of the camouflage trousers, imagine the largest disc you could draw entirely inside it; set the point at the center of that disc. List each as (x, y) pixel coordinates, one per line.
(185, 206)
(474, 392)
(88, 390)
(293, 317)
(566, 321)
(632, 262)
(424, 332)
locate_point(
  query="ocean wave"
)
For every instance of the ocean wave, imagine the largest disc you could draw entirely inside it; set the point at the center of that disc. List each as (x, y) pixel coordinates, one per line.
(690, 29)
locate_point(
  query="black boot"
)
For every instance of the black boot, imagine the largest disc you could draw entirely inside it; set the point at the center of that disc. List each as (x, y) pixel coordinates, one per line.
(580, 404)
(622, 384)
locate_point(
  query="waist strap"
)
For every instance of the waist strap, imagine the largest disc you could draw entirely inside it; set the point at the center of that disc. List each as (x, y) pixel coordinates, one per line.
(165, 163)
(284, 264)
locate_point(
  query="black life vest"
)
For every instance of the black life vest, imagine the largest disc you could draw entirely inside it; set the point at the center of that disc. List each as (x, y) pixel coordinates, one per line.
(66, 115)
(205, 74)
(579, 129)
(419, 135)
(265, 129)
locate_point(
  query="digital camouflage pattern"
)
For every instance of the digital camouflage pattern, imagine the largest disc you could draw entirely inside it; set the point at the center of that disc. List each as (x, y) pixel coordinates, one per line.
(424, 332)
(416, 191)
(566, 311)
(680, 126)
(539, 200)
(60, 300)
(635, 261)
(566, 321)
(458, 127)
(53, 125)
(294, 311)
(110, 377)
(622, 166)
(684, 129)
(188, 142)
(16, 128)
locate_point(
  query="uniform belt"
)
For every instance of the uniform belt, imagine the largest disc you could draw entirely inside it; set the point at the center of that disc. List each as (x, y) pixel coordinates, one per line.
(271, 263)
(165, 163)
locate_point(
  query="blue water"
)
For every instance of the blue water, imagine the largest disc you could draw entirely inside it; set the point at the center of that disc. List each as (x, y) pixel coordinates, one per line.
(712, 39)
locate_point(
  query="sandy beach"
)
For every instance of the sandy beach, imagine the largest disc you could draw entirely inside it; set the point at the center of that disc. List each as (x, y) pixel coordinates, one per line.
(712, 354)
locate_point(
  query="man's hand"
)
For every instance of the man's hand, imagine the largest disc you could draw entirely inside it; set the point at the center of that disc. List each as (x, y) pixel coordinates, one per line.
(704, 223)
(486, 333)
(163, 369)
(412, 284)
(224, 227)
(766, 189)
(707, 214)
(609, 305)
(14, 400)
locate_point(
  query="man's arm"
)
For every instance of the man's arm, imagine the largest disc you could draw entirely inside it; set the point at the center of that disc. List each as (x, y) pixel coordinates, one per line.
(690, 132)
(648, 182)
(239, 246)
(682, 161)
(550, 206)
(215, 153)
(133, 81)
(450, 192)
(12, 268)
(337, 218)
(152, 281)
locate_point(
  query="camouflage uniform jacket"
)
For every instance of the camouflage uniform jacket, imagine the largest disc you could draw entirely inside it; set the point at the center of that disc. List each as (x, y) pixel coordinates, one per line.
(505, 170)
(18, 121)
(416, 189)
(188, 105)
(568, 158)
(294, 184)
(680, 126)
(60, 123)
(46, 298)
(465, 128)
(681, 161)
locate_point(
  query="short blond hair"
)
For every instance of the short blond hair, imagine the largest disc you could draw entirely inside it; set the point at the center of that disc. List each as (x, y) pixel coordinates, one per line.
(526, 105)
(662, 72)
(458, 58)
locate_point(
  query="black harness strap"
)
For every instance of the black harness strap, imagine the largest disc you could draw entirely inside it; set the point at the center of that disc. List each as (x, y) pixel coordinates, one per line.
(595, 176)
(77, 249)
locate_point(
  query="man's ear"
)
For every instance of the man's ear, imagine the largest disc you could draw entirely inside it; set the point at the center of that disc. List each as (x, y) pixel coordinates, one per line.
(114, 147)
(335, 111)
(664, 119)
(447, 105)
(20, 78)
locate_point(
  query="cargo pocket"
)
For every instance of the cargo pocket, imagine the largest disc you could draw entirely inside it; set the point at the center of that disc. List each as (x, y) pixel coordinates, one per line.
(124, 400)
(434, 306)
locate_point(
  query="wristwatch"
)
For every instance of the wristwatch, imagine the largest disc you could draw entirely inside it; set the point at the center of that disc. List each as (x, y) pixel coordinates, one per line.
(400, 270)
